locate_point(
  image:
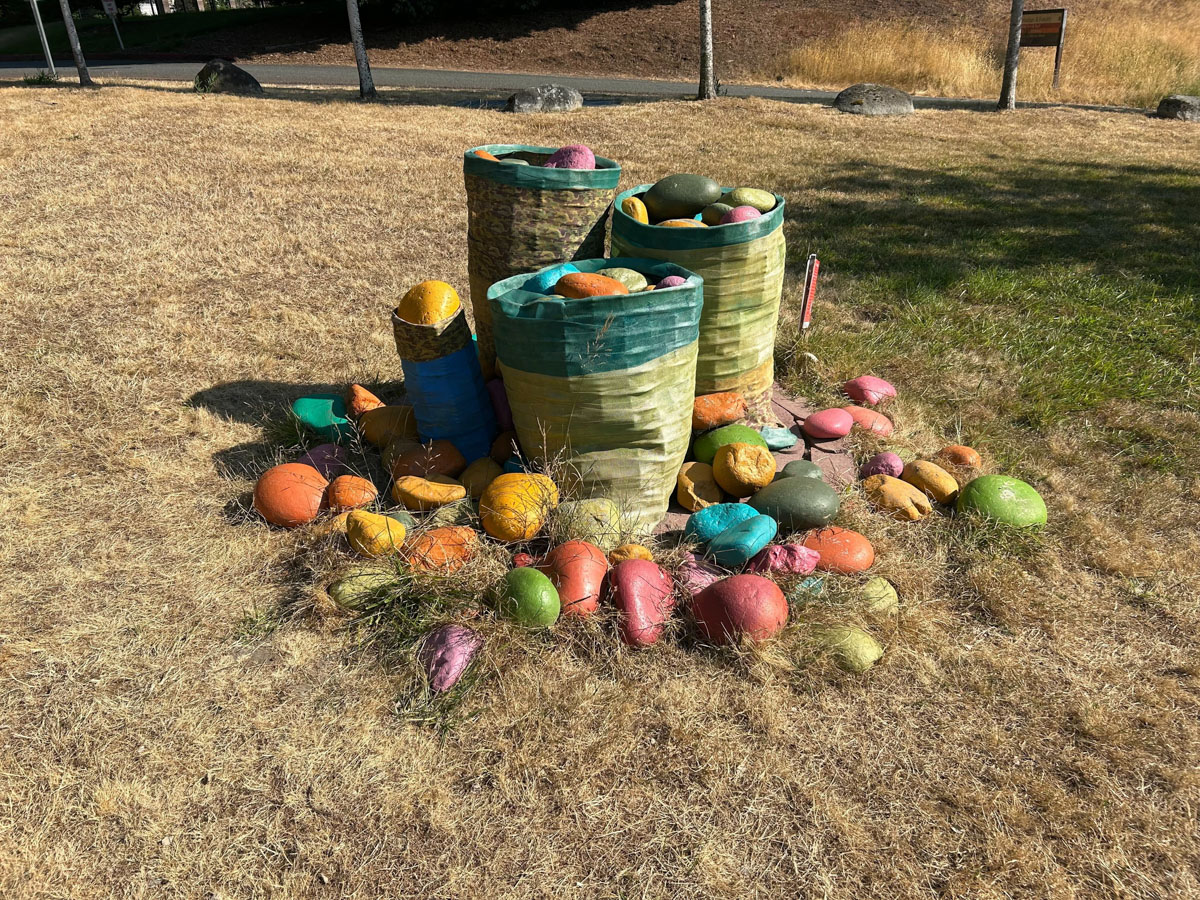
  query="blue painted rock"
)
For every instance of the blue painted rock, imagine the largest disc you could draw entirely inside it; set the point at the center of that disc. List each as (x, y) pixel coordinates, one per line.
(778, 438)
(644, 597)
(499, 398)
(1004, 499)
(543, 282)
(805, 590)
(886, 463)
(572, 156)
(869, 390)
(696, 574)
(797, 504)
(706, 446)
(709, 522)
(680, 196)
(742, 606)
(801, 468)
(528, 597)
(328, 459)
(734, 546)
(828, 424)
(324, 415)
(784, 559)
(446, 653)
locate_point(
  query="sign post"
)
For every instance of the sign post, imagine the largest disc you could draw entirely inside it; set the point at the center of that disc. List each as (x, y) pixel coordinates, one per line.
(110, 9)
(810, 291)
(37, 17)
(1045, 28)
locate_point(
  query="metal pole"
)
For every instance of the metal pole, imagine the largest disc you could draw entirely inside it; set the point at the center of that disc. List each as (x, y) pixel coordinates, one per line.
(1062, 39)
(120, 42)
(37, 17)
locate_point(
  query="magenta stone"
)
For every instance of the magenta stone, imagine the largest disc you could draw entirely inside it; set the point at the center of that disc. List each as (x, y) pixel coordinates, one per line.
(504, 419)
(328, 459)
(572, 156)
(828, 424)
(740, 606)
(446, 653)
(784, 559)
(670, 281)
(868, 389)
(696, 574)
(740, 214)
(886, 463)
(644, 596)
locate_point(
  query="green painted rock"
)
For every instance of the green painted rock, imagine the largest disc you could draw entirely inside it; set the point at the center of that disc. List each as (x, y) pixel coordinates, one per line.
(763, 201)
(879, 596)
(597, 521)
(357, 585)
(801, 468)
(404, 517)
(1007, 500)
(714, 212)
(528, 597)
(680, 196)
(851, 648)
(806, 589)
(707, 444)
(513, 161)
(797, 504)
(635, 281)
(324, 415)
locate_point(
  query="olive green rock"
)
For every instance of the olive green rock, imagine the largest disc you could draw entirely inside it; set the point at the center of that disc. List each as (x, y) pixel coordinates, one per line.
(513, 161)
(851, 648)
(801, 468)
(597, 521)
(635, 281)
(1004, 499)
(707, 445)
(528, 597)
(711, 214)
(680, 196)
(797, 504)
(763, 201)
(460, 512)
(358, 585)
(879, 596)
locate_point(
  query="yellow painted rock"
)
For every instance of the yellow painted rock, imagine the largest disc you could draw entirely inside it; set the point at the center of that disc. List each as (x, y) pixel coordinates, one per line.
(743, 469)
(429, 302)
(902, 500)
(696, 488)
(415, 492)
(635, 209)
(630, 551)
(374, 535)
(682, 223)
(515, 506)
(479, 475)
(385, 423)
(332, 525)
(932, 479)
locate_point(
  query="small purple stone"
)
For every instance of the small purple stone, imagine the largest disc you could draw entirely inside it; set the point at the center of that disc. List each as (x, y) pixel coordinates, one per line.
(328, 459)
(504, 419)
(446, 653)
(670, 281)
(784, 559)
(886, 463)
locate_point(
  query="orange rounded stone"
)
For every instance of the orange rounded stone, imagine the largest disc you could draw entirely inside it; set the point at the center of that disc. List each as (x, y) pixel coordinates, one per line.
(442, 550)
(715, 410)
(841, 550)
(695, 486)
(743, 469)
(577, 570)
(577, 285)
(630, 551)
(434, 458)
(348, 492)
(958, 455)
(359, 400)
(290, 495)
(869, 420)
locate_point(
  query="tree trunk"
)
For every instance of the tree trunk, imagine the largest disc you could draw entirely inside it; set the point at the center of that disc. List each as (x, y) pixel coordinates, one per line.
(366, 85)
(76, 50)
(708, 81)
(1008, 89)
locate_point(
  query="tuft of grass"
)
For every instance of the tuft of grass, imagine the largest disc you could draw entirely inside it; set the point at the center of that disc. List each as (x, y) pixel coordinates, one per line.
(41, 77)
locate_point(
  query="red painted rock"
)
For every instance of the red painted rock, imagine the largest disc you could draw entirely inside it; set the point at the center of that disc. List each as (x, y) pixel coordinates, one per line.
(696, 574)
(503, 412)
(868, 389)
(828, 424)
(841, 550)
(886, 463)
(643, 595)
(784, 559)
(328, 459)
(577, 570)
(869, 420)
(446, 653)
(290, 495)
(740, 606)
(522, 560)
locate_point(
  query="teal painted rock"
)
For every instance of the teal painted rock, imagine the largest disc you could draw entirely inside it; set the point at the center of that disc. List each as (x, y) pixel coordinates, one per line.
(801, 468)
(879, 596)
(851, 648)
(797, 504)
(707, 444)
(778, 438)
(1004, 499)
(734, 546)
(544, 281)
(763, 201)
(709, 522)
(635, 281)
(528, 597)
(404, 517)
(680, 196)
(714, 213)
(358, 585)
(324, 415)
(597, 521)
(806, 589)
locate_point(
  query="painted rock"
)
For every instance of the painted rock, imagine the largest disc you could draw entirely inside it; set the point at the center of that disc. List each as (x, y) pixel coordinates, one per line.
(633, 280)
(715, 410)
(763, 201)
(543, 282)
(324, 415)
(483, 154)
(374, 535)
(901, 499)
(500, 407)
(932, 479)
(868, 389)
(714, 212)
(869, 420)
(348, 492)
(504, 447)
(681, 223)
(850, 647)
(696, 487)
(778, 438)
(670, 281)
(441, 550)
(784, 559)
(358, 585)
(576, 287)
(740, 214)
(735, 545)
(415, 492)
(478, 475)
(385, 423)
(516, 465)
(802, 468)
(359, 400)
(1004, 499)
(396, 448)
(328, 459)
(515, 506)
(797, 504)
(630, 551)
(705, 447)
(806, 589)
(743, 469)
(528, 597)
(577, 570)
(879, 596)
(290, 495)
(842, 551)
(680, 196)
(572, 156)
(644, 597)
(520, 560)
(446, 653)
(886, 463)
(828, 424)
(747, 606)
(428, 303)
(958, 455)
(697, 574)
(706, 524)
(513, 161)
(635, 209)
(597, 521)
(328, 527)
(456, 512)
(434, 458)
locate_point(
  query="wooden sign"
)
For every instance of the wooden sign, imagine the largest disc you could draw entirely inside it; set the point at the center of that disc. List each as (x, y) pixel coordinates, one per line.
(1045, 28)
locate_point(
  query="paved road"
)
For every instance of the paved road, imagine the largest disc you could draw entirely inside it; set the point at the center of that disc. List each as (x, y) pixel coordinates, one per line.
(475, 88)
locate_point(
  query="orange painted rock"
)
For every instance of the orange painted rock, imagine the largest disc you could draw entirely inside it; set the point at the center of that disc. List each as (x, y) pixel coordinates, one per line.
(396, 448)
(681, 223)
(715, 410)
(958, 455)
(630, 551)
(348, 492)
(384, 423)
(415, 492)
(359, 400)
(434, 458)
(931, 478)
(743, 469)
(869, 420)
(483, 154)
(577, 285)
(900, 498)
(505, 447)
(290, 495)
(695, 487)
(441, 550)
(577, 570)
(644, 597)
(479, 475)
(841, 550)
(742, 606)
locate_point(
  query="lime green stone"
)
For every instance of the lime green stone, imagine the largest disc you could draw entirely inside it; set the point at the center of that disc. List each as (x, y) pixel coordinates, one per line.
(1004, 499)
(528, 597)
(707, 444)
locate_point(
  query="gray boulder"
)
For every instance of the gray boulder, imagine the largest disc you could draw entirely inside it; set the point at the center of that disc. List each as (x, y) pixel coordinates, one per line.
(873, 100)
(544, 98)
(219, 76)
(1179, 106)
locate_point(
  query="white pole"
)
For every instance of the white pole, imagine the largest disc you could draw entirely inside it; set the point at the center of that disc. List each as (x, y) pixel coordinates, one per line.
(37, 17)
(120, 42)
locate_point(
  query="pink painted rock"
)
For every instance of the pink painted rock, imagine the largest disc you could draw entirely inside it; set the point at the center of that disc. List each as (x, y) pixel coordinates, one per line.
(504, 419)
(868, 389)
(446, 653)
(784, 559)
(643, 595)
(328, 459)
(696, 574)
(572, 156)
(740, 606)
(828, 424)
(522, 560)
(740, 214)
(869, 420)
(886, 463)
(670, 281)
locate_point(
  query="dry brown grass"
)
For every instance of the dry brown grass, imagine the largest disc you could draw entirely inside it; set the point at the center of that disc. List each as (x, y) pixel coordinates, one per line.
(175, 268)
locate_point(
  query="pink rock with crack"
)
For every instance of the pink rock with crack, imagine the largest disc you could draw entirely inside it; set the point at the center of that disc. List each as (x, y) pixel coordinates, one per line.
(696, 574)
(868, 389)
(784, 559)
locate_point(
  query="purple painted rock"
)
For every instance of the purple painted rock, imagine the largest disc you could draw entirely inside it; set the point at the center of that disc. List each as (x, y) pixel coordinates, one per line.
(644, 597)
(828, 424)
(446, 653)
(328, 459)
(670, 281)
(868, 389)
(740, 214)
(886, 463)
(504, 419)
(784, 559)
(572, 156)
(740, 606)
(696, 574)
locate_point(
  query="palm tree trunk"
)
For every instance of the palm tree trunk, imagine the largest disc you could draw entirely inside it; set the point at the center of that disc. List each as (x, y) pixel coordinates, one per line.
(366, 85)
(708, 81)
(1008, 90)
(76, 50)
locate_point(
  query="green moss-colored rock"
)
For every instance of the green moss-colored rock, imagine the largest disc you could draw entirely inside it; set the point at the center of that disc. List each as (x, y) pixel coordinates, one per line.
(711, 214)
(763, 201)
(680, 196)
(851, 648)
(324, 415)
(597, 521)
(359, 584)
(528, 597)
(801, 468)
(879, 596)
(707, 444)
(797, 503)
(633, 280)
(1004, 499)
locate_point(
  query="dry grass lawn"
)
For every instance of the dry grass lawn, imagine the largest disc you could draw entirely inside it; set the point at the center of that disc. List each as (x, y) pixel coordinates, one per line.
(180, 718)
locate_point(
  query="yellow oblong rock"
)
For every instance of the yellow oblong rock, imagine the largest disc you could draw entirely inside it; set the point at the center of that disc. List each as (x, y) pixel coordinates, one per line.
(695, 486)
(902, 500)
(371, 534)
(635, 209)
(931, 479)
(743, 469)
(479, 474)
(630, 551)
(415, 492)
(515, 506)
